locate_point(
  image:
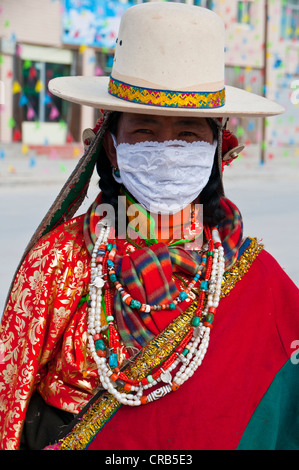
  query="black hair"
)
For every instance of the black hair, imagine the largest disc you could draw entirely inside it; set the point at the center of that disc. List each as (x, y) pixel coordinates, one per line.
(109, 187)
(210, 196)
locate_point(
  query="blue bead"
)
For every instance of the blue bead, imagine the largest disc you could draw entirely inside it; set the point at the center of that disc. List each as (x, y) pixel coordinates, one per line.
(113, 360)
(135, 304)
(204, 285)
(99, 344)
(110, 263)
(183, 295)
(171, 306)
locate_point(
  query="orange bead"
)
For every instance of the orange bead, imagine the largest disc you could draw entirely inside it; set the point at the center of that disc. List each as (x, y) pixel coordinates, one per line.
(127, 387)
(144, 400)
(101, 353)
(175, 386)
(128, 300)
(114, 377)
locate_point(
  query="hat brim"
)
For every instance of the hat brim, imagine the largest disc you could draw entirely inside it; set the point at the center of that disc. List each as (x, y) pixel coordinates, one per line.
(93, 91)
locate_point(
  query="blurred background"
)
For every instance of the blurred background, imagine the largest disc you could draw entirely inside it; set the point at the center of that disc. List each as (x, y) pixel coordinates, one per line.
(40, 135)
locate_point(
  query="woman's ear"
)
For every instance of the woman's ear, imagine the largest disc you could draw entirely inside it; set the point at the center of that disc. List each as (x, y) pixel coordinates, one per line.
(110, 149)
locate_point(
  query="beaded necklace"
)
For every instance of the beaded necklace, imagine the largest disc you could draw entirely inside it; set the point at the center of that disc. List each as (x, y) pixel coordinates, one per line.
(187, 356)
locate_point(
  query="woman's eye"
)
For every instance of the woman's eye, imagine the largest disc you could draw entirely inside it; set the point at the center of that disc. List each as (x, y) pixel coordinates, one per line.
(143, 131)
(188, 134)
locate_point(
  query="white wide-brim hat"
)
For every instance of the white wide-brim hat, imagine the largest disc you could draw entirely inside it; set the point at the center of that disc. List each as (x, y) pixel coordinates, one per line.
(169, 60)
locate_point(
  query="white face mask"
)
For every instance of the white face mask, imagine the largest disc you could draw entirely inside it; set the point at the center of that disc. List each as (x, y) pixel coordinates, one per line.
(165, 177)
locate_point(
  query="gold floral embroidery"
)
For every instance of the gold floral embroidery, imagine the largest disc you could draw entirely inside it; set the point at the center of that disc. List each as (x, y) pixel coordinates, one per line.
(39, 327)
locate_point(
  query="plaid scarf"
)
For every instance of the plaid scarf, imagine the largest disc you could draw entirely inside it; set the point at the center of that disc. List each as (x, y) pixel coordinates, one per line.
(146, 272)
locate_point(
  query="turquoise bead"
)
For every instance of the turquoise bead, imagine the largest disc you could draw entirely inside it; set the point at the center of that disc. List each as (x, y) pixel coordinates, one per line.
(109, 246)
(171, 306)
(195, 321)
(135, 304)
(210, 317)
(113, 277)
(113, 360)
(204, 285)
(185, 352)
(183, 295)
(110, 318)
(110, 263)
(150, 378)
(99, 344)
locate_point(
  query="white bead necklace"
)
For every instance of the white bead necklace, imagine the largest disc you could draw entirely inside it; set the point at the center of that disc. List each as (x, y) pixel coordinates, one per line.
(197, 346)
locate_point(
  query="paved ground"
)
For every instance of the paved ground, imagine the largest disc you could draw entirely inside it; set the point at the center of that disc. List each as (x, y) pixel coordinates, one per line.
(267, 195)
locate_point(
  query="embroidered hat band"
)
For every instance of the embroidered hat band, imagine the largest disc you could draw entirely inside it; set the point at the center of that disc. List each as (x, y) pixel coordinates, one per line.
(166, 98)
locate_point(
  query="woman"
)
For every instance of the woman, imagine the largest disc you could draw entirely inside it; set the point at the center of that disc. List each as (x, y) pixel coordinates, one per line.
(152, 341)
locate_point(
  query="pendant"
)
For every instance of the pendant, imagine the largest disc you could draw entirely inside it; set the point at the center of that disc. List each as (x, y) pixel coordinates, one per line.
(197, 332)
(166, 377)
(98, 282)
(159, 393)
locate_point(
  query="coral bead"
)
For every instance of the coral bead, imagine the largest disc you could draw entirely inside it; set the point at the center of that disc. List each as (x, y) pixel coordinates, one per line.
(101, 353)
(174, 387)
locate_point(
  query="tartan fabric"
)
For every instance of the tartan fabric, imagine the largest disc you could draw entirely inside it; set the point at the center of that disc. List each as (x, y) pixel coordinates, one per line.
(231, 232)
(147, 276)
(147, 272)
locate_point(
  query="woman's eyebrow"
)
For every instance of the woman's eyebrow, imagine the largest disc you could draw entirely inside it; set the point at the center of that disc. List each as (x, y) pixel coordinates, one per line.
(189, 123)
(143, 120)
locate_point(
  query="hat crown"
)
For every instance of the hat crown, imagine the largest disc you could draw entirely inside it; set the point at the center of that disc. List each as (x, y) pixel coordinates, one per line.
(170, 46)
(169, 60)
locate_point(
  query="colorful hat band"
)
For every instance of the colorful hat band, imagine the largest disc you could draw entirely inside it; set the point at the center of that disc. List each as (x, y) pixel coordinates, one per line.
(165, 98)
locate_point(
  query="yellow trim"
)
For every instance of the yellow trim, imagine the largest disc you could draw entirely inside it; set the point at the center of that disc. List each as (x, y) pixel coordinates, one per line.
(166, 98)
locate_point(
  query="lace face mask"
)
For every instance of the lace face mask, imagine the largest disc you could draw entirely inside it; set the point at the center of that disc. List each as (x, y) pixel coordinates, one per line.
(165, 177)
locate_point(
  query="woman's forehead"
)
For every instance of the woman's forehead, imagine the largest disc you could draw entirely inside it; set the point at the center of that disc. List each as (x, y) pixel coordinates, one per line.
(132, 119)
